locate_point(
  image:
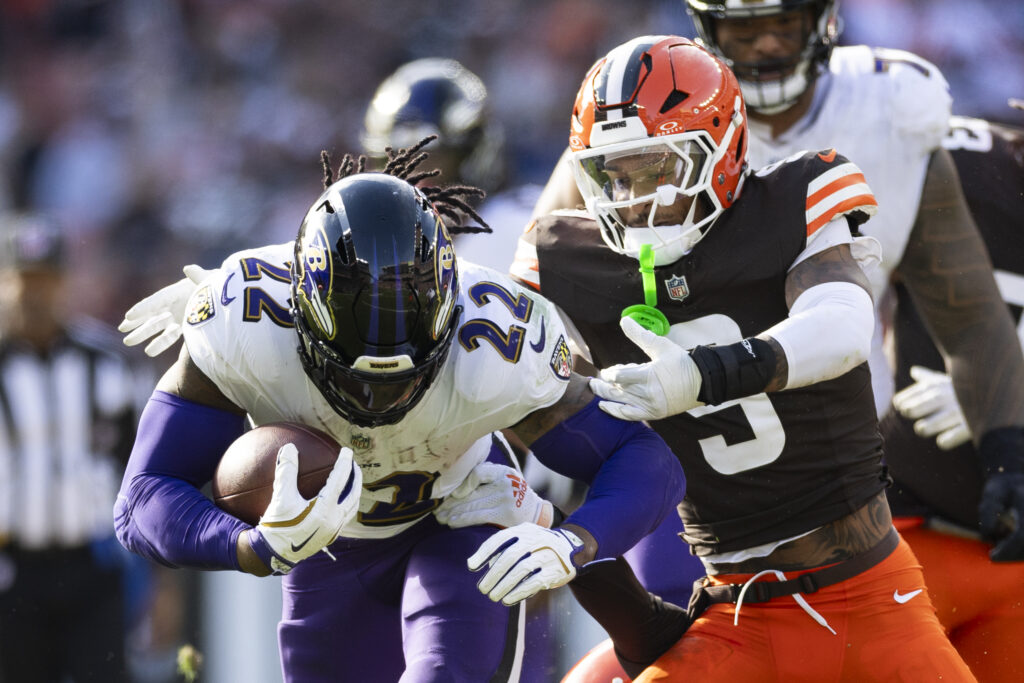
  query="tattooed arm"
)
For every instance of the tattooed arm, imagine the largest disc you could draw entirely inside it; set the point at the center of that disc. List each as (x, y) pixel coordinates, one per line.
(947, 270)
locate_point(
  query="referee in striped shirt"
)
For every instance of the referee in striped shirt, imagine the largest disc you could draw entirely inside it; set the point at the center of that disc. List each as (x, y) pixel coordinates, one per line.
(67, 418)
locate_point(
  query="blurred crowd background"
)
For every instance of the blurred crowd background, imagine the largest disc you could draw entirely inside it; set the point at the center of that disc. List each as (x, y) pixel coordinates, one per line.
(163, 132)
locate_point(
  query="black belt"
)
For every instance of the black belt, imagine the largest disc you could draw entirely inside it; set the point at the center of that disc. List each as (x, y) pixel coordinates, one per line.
(762, 591)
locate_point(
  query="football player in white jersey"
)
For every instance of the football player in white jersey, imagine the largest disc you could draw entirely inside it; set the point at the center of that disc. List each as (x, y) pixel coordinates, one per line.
(440, 96)
(367, 328)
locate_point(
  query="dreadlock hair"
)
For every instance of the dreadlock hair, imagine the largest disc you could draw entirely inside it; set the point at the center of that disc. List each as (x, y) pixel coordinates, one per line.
(451, 201)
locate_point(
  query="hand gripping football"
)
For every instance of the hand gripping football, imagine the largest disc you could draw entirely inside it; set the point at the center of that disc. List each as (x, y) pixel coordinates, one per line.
(244, 479)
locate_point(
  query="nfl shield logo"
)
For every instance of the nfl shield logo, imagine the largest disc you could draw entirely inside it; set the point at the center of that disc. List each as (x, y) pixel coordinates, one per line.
(677, 287)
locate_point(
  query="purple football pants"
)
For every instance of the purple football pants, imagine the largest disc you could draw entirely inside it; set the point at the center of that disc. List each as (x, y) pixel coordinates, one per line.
(398, 609)
(663, 563)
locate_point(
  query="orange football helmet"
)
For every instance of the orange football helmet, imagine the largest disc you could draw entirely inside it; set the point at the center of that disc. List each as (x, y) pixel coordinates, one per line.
(659, 140)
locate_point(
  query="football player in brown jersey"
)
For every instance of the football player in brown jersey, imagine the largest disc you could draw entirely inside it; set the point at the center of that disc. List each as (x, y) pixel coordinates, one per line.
(731, 310)
(939, 482)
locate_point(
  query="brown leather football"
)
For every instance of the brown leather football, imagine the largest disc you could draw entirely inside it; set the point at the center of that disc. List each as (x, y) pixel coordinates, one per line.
(244, 480)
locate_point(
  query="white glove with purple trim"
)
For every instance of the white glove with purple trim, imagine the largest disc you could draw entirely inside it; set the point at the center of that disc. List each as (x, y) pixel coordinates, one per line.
(931, 402)
(294, 528)
(668, 385)
(494, 494)
(524, 560)
(159, 315)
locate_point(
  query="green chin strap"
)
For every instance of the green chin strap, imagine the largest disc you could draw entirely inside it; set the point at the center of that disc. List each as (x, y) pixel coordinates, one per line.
(646, 313)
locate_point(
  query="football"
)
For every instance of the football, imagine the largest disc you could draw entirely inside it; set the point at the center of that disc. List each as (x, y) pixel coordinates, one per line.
(244, 479)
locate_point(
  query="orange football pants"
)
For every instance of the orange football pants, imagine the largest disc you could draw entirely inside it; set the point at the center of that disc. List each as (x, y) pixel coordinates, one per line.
(886, 630)
(980, 603)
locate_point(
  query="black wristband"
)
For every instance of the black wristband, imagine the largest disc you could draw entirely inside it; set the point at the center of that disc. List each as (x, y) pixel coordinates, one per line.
(733, 371)
(1002, 450)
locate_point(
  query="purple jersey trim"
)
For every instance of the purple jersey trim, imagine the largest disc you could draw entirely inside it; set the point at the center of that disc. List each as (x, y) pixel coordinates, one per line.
(160, 512)
(635, 480)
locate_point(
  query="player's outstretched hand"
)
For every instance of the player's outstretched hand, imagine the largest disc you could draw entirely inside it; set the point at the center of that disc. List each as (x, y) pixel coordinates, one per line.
(494, 494)
(931, 402)
(523, 560)
(294, 528)
(667, 385)
(159, 315)
(1000, 514)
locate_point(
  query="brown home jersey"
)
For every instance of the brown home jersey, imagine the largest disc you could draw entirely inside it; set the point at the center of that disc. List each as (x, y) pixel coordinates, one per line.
(929, 481)
(765, 467)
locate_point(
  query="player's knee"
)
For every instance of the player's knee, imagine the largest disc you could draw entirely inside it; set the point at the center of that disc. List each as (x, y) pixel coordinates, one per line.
(598, 666)
(451, 670)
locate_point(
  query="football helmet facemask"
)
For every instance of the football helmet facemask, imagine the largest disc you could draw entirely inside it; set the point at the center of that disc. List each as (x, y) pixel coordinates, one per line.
(659, 140)
(772, 85)
(441, 97)
(374, 290)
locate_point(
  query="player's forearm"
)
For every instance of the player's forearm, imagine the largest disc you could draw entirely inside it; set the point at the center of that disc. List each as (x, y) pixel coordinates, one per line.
(988, 377)
(160, 512)
(635, 480)
(171, 522)
(948, 272)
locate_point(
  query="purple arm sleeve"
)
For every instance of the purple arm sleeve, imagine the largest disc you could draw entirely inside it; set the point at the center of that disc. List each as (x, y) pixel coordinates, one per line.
(635, 479)
(160, 512)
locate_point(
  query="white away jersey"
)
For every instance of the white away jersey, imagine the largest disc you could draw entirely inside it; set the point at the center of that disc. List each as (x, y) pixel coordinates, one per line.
(510, 357)
(887, 111)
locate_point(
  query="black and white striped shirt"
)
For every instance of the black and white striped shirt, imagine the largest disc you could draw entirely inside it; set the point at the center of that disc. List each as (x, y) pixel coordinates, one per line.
(67, 423)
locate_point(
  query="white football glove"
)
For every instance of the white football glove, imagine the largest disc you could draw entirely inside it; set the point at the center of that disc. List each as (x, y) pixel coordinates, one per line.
(296, 528)
(931, 402)
(524, 560)
(494, 494)
(668, 385)
(159, 315)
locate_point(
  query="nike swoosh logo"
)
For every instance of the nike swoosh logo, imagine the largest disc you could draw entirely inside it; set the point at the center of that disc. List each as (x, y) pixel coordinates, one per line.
(828, 158)
(539, 346)
(906, 596)
(224, 298)
(297, 548)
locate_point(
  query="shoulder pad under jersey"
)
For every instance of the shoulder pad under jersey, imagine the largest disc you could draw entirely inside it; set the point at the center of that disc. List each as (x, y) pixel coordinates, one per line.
(246, 298)
(835, 186)
(511, 347)
(525, 268)
(920, 99)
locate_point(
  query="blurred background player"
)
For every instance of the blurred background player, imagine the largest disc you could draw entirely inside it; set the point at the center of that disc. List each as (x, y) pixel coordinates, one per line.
(939, 478)
(439, 96)
(69, 401)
